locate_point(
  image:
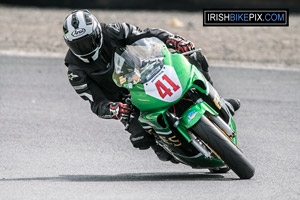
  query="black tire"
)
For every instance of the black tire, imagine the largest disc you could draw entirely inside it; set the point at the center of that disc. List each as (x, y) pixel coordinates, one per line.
(222, 145)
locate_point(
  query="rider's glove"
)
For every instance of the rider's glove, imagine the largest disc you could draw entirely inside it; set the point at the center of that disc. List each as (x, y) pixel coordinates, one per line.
(180, 44)
(119, 110)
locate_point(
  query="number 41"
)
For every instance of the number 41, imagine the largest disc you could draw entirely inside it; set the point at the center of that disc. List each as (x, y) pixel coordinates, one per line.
(163, 90)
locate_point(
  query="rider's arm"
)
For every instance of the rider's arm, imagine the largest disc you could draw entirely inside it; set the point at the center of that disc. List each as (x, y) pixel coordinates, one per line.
(89, 91)
(129, 34)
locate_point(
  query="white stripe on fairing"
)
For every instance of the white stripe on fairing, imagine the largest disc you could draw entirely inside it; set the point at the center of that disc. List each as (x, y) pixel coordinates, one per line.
(164, 133)
(80, 87)
(207, 91)
(87, 95)
(146, 127)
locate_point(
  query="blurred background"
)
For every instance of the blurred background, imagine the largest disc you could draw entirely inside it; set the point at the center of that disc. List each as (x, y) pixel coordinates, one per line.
(194, 5)
(35, 27)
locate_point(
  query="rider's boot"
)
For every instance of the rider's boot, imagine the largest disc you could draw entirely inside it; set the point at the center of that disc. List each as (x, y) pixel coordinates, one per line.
(233, 105)
(139, 137)
(162, 154)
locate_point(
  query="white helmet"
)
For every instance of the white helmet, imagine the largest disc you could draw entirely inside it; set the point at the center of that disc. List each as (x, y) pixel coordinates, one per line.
(83, 34)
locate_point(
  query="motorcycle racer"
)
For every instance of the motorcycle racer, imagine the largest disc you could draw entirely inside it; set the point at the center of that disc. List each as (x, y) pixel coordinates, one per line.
(90, 67)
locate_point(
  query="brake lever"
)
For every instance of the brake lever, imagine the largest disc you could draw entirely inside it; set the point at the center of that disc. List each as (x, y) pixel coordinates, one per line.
(192, 51)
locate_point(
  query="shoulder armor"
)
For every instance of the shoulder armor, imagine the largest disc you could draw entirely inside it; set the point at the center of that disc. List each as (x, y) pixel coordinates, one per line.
(117, 30)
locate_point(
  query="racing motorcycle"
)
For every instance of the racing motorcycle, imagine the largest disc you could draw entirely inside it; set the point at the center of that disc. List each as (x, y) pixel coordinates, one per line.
(180, 107)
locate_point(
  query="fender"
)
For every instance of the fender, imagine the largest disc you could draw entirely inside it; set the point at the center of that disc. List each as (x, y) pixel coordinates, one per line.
(192, 115)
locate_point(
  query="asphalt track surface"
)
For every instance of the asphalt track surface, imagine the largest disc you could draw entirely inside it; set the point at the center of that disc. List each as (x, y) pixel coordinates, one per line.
(53, 147)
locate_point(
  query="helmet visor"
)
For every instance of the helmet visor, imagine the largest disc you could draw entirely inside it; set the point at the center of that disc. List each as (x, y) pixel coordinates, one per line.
(83, 46)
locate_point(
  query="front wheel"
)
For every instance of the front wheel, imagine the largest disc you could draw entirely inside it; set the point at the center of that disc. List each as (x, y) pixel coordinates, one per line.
(224, 148)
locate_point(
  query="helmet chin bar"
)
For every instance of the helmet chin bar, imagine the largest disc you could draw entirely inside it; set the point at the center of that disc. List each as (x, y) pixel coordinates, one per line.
(86, 60)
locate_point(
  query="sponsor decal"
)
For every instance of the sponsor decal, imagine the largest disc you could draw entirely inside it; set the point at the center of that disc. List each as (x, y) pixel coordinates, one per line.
(78, 32)
(217, 102)
(171, 140)
(122, 79)
(191, 115)
(137, 138)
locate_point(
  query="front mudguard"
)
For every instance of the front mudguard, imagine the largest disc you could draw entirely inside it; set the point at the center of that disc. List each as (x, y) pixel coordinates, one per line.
(188, 119)
(192, 115)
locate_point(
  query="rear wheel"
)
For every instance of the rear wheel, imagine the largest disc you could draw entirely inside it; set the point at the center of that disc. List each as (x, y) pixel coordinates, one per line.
(223, 147)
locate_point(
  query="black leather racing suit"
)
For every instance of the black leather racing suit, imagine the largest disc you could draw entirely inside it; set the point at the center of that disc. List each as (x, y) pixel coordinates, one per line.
(92, 79)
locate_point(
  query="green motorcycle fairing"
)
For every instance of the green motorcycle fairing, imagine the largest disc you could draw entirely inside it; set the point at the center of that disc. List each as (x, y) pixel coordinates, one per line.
(157, 80)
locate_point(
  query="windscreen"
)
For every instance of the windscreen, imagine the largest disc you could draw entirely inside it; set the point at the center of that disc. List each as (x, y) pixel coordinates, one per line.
(139, 62)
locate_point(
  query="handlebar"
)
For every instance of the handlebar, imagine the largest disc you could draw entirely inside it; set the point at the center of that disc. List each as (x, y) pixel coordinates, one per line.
(190, 52)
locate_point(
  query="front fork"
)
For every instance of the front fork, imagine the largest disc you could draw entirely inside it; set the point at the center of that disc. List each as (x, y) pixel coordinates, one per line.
(190, 117)
(189, 136)
(216, 102)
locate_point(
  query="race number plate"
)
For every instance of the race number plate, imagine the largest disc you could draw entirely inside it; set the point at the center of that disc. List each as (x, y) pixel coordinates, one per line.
(165, 86)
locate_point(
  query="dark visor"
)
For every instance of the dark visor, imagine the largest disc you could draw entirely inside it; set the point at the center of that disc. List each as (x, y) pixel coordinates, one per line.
(83, 45)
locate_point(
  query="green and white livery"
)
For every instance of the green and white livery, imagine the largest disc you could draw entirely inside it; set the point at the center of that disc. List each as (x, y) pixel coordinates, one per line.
(189, 119)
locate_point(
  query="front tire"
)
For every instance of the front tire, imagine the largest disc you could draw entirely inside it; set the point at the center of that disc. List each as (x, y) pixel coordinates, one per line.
(222, 146)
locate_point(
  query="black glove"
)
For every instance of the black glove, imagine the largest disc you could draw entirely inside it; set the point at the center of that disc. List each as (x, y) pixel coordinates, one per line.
(142, 140)
(180, 44)
(119, 110)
